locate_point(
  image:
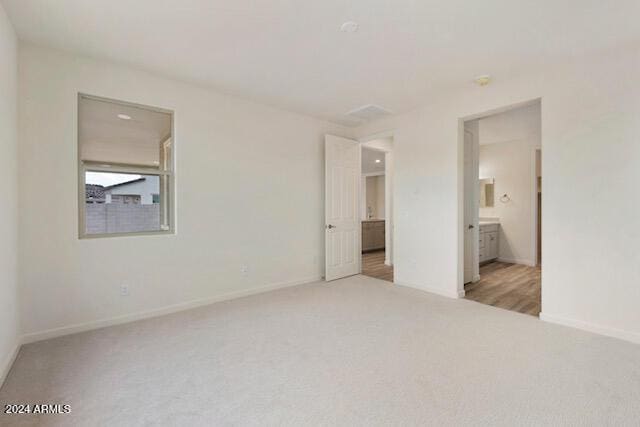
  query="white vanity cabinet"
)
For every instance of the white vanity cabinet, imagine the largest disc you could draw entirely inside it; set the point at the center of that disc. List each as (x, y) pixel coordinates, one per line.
(488, 242)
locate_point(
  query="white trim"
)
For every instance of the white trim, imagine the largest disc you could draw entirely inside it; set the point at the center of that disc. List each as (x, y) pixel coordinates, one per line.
(389, 171)
(460, 207)
(433, 290)
(502, 109)
(362, 202)
(380, 135)
(387, 262)
(8, 363)
(473, 199)
(534, 205)
(97, 324)
(368, 174)
(633, 337)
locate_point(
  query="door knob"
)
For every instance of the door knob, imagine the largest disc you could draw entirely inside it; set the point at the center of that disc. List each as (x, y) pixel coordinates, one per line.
(330, 226)
(470, 226)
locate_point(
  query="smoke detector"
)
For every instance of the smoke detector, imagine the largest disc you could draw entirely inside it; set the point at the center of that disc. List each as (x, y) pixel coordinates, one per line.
(368, 112)
(349, 27)
(483, 80)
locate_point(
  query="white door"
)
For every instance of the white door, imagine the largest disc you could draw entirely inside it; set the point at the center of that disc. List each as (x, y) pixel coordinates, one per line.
(471, 206)
(342, 222)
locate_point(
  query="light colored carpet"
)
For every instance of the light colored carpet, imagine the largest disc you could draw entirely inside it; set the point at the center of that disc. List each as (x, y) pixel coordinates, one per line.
(358, 351)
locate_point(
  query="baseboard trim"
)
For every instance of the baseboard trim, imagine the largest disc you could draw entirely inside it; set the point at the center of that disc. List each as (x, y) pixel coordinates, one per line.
(434, 290)
(633, 337)
(8, 363)
(387, 262)
(517, 261)
(103, 323)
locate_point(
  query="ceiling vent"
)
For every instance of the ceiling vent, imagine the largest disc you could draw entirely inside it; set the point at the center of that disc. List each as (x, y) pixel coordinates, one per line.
(369, 112)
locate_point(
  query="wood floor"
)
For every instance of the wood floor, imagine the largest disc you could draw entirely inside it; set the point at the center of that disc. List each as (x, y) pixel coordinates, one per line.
(513, 287)
(373, 266)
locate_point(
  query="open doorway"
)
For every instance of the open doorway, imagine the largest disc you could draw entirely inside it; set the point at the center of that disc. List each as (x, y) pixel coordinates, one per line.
(502, 200)
(376, 200)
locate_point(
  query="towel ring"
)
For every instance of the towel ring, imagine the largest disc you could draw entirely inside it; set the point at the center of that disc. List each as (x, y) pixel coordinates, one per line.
(505, 198)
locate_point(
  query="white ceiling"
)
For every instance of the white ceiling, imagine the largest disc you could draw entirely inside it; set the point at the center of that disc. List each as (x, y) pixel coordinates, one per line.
(369, 158)
(291, 54)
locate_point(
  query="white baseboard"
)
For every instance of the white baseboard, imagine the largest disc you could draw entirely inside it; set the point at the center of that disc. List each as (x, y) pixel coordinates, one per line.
(517, 261)
(97, 324)
(387, 262)
(634, 337)
(434, 290)
(8, 362)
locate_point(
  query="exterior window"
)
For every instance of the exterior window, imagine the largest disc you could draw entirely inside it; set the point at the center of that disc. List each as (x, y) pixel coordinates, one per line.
(125, 168)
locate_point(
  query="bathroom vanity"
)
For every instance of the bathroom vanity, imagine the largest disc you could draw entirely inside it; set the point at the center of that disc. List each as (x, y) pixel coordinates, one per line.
(488, 248)
(372, 234)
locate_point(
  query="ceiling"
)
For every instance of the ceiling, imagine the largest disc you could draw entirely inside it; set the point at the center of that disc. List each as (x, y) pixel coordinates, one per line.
(369, 158)
(106, 138)
(292, 54)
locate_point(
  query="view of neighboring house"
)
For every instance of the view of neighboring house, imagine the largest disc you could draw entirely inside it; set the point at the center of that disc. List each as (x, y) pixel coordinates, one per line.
(140, 191)
(94, 193)
(124, 207)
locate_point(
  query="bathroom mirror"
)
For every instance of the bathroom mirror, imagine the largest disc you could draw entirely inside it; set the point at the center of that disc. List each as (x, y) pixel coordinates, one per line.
(486, 192)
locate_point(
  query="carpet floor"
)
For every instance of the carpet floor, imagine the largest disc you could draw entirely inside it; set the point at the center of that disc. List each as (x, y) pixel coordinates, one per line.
(355, 351)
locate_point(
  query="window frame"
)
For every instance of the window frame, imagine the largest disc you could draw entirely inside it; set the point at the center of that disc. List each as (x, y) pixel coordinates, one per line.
(167, 203)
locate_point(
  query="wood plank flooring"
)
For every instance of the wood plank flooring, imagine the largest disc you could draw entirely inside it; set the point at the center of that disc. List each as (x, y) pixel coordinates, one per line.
(513, 287)
(373, 266)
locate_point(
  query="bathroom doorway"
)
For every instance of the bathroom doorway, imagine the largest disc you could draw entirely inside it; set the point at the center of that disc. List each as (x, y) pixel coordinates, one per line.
(501, 214)
(376, 201)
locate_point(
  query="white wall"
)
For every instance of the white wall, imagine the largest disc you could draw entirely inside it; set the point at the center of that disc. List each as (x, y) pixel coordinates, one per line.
(375, 196)
(249, 192)
(8, 195)
(510, 163)
(591, 169)
(380, 202)
(507, 149)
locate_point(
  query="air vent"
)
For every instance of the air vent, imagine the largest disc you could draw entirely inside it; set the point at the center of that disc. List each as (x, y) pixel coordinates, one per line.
(368, 112)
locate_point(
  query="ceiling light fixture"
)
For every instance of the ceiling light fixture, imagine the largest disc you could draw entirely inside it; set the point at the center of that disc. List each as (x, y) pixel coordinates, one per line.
(124, 117)
(483, 80)
(349, 27)
(378, 160)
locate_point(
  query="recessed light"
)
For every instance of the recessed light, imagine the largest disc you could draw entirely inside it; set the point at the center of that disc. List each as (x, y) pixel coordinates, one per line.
(124, 117)
(378, 160)
(349, 27)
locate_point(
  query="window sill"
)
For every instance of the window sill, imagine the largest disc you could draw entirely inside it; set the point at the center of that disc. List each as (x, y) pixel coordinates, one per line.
(133, 234)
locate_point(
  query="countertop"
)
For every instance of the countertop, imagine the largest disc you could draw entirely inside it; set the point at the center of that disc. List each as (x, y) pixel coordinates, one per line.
(372, 220)
(489, 222)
